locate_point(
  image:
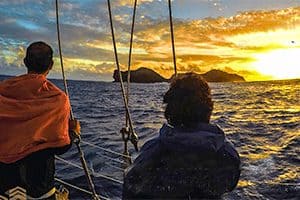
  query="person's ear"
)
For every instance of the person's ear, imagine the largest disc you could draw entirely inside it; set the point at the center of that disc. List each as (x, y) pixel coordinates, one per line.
(51, 65)
(25, 61)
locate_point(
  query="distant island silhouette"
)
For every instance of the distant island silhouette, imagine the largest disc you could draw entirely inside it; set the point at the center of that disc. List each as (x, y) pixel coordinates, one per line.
(145, 75)
(141, 75)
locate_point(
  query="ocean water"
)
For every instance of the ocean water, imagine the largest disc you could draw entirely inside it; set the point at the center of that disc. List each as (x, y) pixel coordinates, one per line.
(262, 120)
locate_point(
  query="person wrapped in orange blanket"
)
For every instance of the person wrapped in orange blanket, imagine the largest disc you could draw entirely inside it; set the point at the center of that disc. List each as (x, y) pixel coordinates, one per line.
(34, 125)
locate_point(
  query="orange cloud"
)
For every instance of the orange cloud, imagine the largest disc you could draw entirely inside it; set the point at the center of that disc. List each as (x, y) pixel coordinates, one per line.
(220, 42)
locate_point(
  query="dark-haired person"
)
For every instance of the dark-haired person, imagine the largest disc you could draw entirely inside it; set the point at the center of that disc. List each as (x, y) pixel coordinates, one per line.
(191, 158)
(34, 126)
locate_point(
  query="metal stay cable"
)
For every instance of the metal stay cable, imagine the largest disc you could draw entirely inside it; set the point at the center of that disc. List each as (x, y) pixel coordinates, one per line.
(77, 140)
(172, 37)
(130, 55)
(133, 136)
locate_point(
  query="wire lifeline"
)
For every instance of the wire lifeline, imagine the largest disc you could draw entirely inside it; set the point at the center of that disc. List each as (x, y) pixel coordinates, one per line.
(77, 140)
(115, 167)
(105, 198)
(79, 167)
(105, 149)
(111, 159)
(120, 182)
(172, 37)
(133, 136)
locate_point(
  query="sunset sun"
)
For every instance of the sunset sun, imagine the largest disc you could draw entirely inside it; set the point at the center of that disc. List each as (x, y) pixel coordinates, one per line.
(280, 64)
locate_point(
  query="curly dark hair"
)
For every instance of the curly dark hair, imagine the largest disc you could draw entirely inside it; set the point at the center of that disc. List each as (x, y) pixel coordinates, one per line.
(38, 57)
(188, 101)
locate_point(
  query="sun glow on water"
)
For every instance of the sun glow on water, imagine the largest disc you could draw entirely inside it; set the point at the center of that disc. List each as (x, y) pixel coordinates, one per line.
(280, 64)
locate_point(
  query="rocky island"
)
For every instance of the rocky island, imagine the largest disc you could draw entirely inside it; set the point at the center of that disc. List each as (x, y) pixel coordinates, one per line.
(141, 75)
(145, 75)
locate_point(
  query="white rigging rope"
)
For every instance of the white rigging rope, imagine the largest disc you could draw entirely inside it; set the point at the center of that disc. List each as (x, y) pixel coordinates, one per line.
(77, 140)
(172, 37)
(61, 58)
(130, 56)
(132, 135)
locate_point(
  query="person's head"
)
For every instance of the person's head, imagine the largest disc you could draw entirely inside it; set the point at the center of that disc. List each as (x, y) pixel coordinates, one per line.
(39, 58)
(188, 101)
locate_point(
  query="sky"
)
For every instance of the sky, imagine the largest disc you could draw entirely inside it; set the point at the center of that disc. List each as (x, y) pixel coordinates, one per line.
(257, 39)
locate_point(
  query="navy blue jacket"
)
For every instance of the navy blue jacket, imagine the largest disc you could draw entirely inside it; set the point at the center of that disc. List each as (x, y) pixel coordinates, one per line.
(182, 163)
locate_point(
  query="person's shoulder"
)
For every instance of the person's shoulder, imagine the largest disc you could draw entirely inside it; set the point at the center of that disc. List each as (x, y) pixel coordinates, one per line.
(149, 149)
(11, 79)
(214, 128)
(4, 83)
(150, 143)
(59, 91)
(231, 150)
(59, 95)
(166, 130)
(228, 146)
(12, 83)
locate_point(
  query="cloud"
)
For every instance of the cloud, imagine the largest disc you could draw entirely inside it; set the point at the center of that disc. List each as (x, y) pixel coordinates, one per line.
(201, 44)
(130, 2)
(11, 68)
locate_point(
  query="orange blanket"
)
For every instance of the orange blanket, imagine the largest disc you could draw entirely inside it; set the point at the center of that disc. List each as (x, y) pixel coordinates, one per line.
(34, 115)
